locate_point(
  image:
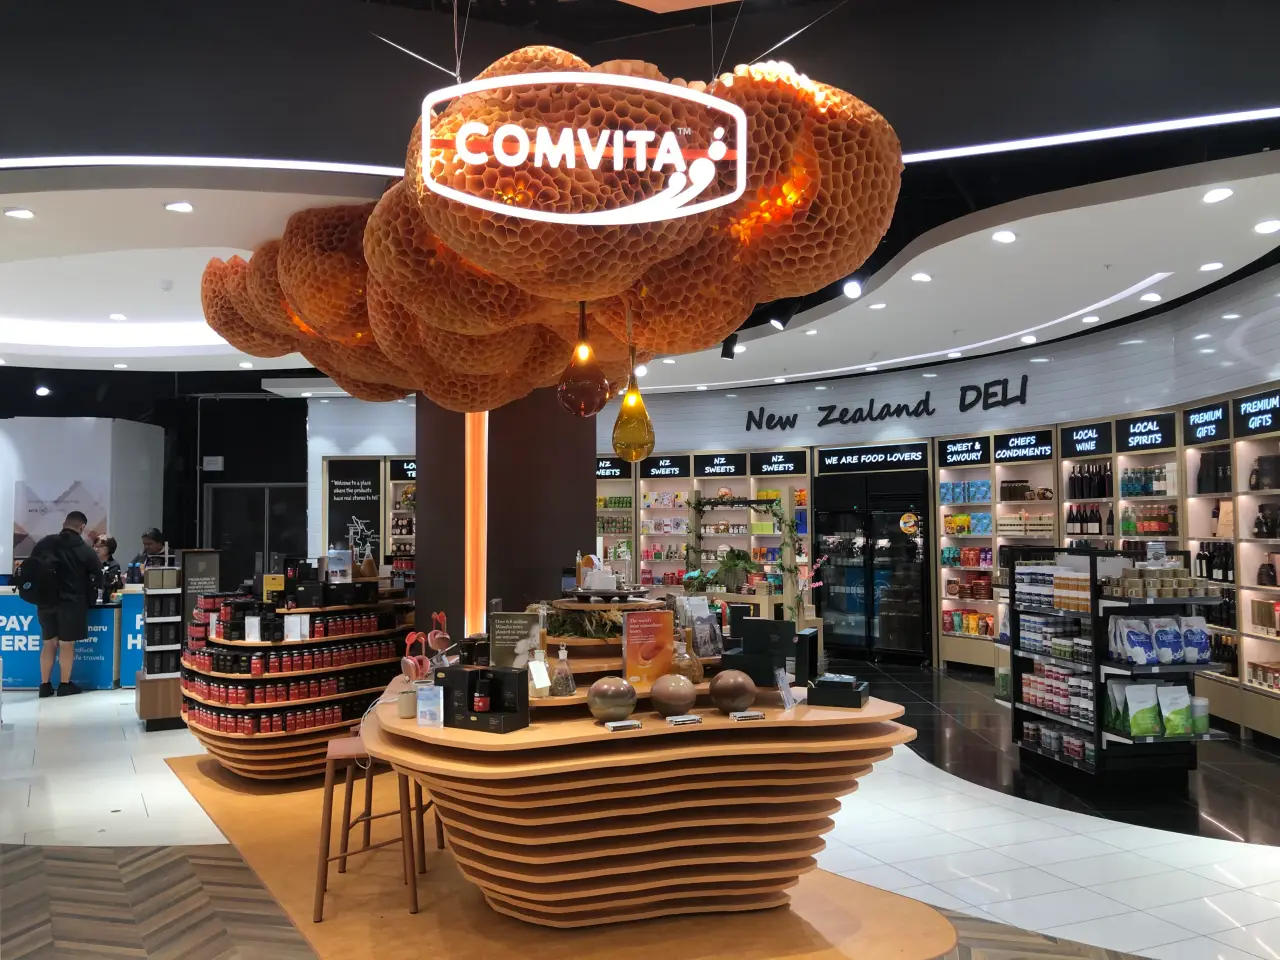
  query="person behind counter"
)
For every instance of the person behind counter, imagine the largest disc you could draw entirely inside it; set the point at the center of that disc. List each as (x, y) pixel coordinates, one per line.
(152, 554)
(105, 548)
(68, 578)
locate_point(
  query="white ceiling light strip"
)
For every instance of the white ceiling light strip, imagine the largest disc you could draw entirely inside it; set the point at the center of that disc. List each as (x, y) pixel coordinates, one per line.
(233, 163)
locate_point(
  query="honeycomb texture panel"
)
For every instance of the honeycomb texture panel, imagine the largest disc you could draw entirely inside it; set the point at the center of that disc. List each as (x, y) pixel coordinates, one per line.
(226, 321)
(322, 269)
(269, 302)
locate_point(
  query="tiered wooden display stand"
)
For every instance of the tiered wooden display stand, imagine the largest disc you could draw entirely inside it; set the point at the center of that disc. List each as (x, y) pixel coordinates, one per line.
(289, 755)
(565, 824)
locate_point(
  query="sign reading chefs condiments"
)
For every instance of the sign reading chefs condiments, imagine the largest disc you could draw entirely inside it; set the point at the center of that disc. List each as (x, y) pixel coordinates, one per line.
(719, 464)
(889, 456)
(660, 468)
(1085, 439)
(613, 468)
(773, 462)
(969, 452)
(403, 469)
(1259, 413)
(1151, 432)
(1023, 446)
(1207, 424)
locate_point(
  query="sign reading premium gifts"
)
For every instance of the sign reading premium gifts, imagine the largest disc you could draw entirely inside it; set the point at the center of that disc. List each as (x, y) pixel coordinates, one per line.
(659, 468)
(888, 456)
(1258, 413)
(1207, 424)
(970, 452)
(1023, 446)
(613, 468)
(1151, 432)
(403, 469)
(773, 462)
(1086, 439)
(354, 506)
(719, 464)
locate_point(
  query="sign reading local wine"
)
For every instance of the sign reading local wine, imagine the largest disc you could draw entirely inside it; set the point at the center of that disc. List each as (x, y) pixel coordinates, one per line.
(402, 469)
(613, 468)
(354, 506)
(968, 452)
(1152, 432)
(1086, 439)
(888, 456)
(773, 462)
(1205, 424)
(1023, 446)
(1258, 413)
(695, 166)
(660, 468)
(719, 464)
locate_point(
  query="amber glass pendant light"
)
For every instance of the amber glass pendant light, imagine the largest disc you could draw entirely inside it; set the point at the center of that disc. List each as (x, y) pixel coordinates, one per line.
(633, 430)
(583, 388)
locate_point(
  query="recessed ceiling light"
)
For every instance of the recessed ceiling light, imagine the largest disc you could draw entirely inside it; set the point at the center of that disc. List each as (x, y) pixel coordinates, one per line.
(1, 362)
(121, 366)
(820, 387)
(641, 370)
(18, 213)
(929, 375)
(1218, 194)
(853, 289)
(1207, 350)
(306, 394)
(777, 324)
(779, 379)
(324, 401)
(1029, 338)
(1226, 363)
(116, 316)
(401, 400)
(1089, 319)
(667, 360)
(1150, 297)
(878, 306)
(731, 395)
(955, 355)
(179, 206)
(811, 332)
(873, 368)
(1202, 336)
(1004, 236)
(1212, 265)
(702, 388)
(740, 348)
(42, 391)
(1231, 316)
(1131, 343)
(1039, 359)
(921, 277)
(246, 365)
(1266, 226)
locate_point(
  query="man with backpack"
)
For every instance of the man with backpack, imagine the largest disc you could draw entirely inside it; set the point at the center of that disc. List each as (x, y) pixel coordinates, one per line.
(61, 578)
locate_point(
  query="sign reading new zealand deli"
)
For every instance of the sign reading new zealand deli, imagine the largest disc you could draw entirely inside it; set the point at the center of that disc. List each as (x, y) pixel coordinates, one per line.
(700, 159)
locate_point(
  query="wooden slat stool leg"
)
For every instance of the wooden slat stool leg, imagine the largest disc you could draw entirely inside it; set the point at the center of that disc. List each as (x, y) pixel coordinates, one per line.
(368, 801)
(344, 839)
(406, 836)
(326, 827)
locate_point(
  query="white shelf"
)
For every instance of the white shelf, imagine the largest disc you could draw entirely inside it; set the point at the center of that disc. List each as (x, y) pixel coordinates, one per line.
(160, 591)
(161, 649)
(162, 676)
(1050, 715)
(164, 619)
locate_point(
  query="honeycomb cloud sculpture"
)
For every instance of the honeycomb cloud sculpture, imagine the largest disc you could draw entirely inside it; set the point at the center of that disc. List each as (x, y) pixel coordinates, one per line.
(475, 308)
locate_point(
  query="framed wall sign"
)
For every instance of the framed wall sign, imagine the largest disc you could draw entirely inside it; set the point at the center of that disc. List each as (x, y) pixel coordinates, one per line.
(1023, 446)
(613, 468)
(1151, 432)
(768, 463)
(1086, 439)
(665, 468)
(719, 464)
(1254, 414)
(1207, 424)
(964, 452)
(888, 456)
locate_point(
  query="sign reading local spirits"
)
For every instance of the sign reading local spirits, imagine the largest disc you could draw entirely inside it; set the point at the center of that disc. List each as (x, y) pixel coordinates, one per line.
(1206, 424)
(659, 468)
(688, 168)
(403, 469)
(1086, 440)
(888, 456)
(613, 468)
(1152, 432)
(970, 452)
(774, 462)
(1023, 446)
(719, 464)
(1259, 413)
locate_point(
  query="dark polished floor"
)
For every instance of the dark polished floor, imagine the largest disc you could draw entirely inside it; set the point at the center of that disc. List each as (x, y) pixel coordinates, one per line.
(1234, 795)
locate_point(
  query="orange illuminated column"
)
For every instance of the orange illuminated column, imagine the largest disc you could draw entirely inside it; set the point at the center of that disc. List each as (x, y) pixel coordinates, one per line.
(475, 535)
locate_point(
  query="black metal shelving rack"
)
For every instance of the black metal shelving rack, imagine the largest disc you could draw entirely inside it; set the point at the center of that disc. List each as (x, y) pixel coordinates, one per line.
(1114, 753)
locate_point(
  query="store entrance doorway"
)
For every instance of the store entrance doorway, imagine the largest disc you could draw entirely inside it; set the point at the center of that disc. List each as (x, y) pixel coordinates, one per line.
(246, 521)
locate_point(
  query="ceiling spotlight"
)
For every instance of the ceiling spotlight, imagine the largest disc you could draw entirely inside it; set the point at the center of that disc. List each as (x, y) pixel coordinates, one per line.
(116, 316)
(1131, 343)
(1212, 265)
(853, 289)
(121, 366)
(641, 370)
(1267, 226)
(306, 394)
(1004, 236)
(731, 396)
(779, 379)
(401, 400)
(1039, 359)
(42, 391)
(729, 347)
(181, 206)
(954, 355)
(324, 401)
(878, 306)
(778, 324)
(702, 388)
(740, 348)
(1218, 194)
(1202, 336)
(921, 277)
(1207, 350)
(667, 360)
(246, 365)
(1, 362)
(873, 368)
(1029, 338)
(1231, 316)
(18, 213)
(1150, 297)
(1088, 319)
(811, 332)
(819, 387)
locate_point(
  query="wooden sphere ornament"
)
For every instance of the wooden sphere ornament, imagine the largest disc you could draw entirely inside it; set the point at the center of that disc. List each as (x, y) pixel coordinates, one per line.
(732, 690)
(672, 695)
(611, 698)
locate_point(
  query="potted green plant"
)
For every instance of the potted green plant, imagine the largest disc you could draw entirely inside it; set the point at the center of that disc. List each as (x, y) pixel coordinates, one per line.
(733, 569)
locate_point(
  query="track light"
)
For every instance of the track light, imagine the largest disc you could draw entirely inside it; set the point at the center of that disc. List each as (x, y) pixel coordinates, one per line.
(778, 324)
(726, 348)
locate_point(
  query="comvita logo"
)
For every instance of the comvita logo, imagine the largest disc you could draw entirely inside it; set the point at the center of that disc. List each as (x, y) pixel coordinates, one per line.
(689, 171)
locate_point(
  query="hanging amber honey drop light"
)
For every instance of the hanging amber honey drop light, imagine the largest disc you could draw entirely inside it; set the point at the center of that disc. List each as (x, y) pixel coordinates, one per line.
(583, 389)
(633, 430)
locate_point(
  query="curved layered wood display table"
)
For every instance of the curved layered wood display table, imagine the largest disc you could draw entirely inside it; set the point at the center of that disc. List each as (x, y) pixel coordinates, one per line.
(568, 825)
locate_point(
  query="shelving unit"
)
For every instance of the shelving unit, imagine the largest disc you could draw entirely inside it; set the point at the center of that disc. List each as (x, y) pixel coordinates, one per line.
(721, 527)
(402, 484)
(786, 471)
(616, 525)
(666, 484)
(158, 699)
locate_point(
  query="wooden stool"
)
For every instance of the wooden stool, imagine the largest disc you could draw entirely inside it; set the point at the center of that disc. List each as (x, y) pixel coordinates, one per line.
(347, 754)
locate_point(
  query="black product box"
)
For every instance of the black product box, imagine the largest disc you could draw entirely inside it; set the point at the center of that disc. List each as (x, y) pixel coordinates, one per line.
(737, 613)
(764, 646)
(824, 693)
(309, 595)
(339, 595)
(365, 592)
(508, 698)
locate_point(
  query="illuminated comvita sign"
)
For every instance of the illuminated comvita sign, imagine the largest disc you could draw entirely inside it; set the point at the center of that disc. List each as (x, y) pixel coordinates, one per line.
(689, 171)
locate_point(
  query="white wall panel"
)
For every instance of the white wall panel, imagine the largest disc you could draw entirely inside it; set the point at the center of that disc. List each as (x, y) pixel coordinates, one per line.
(137, 484)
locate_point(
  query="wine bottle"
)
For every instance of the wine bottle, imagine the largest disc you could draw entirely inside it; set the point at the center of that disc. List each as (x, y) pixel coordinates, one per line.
(1097, 520)
(1111, 522)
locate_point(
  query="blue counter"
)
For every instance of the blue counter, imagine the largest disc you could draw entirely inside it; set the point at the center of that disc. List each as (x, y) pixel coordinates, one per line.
(102, 659)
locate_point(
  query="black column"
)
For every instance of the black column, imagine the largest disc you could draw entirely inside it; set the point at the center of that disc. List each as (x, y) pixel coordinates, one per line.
(439, 514)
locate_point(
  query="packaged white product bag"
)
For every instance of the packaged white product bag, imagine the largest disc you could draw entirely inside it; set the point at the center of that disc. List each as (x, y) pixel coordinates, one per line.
(1166, 637)
(1115, 641)
(1195, 639)
(1144, 710)
(1175, 710)
(1137, 642)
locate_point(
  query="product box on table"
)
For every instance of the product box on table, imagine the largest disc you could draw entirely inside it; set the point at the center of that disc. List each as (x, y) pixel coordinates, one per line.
(508, 698)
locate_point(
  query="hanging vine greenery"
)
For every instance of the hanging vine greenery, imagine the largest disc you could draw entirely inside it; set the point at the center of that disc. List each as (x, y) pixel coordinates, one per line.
(785, 525)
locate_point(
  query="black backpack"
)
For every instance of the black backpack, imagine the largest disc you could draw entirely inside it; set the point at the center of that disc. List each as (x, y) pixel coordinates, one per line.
(37, 580)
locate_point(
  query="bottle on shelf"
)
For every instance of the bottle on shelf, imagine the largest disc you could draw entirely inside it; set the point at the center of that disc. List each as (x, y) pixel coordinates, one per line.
(1111, 521)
